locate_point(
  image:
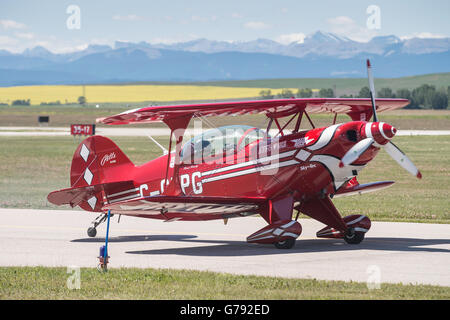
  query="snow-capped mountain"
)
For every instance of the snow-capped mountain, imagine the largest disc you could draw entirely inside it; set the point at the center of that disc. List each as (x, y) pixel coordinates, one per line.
(321, 54)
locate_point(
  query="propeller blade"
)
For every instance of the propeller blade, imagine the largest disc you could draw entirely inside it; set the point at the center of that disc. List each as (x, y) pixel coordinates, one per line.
(355, 152)
(402, 159)
(372, 91)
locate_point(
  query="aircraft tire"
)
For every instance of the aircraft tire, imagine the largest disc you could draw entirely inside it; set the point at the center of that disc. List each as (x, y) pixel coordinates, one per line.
(353, 237)
(92, 232)
(286, 244)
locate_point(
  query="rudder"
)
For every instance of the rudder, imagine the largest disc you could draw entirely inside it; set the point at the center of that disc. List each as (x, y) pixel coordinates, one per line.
(98, 160)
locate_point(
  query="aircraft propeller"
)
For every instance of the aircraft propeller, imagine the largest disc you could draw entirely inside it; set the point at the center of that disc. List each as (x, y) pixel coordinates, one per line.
(379, 134)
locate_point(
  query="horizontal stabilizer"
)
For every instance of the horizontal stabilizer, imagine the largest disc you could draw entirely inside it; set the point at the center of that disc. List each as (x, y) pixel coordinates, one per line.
(90, 194)
(350, 190)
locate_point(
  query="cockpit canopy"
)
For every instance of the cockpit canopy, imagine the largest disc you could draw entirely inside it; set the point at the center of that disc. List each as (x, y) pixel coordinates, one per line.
(219, 142)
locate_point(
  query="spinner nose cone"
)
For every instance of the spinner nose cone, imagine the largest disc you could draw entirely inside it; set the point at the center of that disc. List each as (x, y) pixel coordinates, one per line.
(388, 130)
(381, 132)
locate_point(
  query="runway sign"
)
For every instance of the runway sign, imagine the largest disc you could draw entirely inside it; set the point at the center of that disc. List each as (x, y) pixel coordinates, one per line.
(82, 129)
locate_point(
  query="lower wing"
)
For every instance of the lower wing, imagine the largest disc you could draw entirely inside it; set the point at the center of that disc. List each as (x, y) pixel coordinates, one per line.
(350, 190)
(171, 208)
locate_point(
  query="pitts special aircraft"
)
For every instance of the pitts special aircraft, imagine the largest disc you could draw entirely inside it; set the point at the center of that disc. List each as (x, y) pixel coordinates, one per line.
(237, 171)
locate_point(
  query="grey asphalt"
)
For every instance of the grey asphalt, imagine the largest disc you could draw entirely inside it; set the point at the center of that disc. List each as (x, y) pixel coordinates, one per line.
(392, 252)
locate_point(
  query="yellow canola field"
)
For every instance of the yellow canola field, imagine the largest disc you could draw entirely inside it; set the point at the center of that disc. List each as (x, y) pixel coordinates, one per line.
(127, 93)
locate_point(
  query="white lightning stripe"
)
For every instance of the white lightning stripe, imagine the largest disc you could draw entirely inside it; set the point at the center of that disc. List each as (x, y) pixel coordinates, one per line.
(290, 234)
(325, 137)
(328, 233)
(267, 237)
(249, 163)
(173, 219)
(250, 171)
(341, 175)
(356, 220)
(135, 195)
(324, 231)
(287, 225)
(122, 192)
(260, 234)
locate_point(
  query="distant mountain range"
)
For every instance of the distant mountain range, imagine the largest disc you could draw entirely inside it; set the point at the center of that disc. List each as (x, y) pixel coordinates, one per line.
(320, 55)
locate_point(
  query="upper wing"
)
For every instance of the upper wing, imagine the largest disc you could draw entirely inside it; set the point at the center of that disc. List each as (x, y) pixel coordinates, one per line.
(187, 207)
(353, 107)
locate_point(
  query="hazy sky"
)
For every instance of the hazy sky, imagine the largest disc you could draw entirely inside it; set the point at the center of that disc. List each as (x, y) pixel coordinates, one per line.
(25, 24)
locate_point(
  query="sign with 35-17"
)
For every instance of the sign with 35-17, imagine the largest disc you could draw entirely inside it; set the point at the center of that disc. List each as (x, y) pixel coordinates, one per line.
(82, 129)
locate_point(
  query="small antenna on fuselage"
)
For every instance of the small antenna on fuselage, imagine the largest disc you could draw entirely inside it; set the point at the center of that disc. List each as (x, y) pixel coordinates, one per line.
(165, 151)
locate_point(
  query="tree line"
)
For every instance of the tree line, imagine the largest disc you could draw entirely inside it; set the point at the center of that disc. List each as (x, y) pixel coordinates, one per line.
(426, 96)
(26, 102)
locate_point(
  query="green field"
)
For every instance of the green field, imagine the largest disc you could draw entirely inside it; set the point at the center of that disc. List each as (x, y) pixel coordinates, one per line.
(51, 283)
(343, 85)
(33, 166)
(63, 116)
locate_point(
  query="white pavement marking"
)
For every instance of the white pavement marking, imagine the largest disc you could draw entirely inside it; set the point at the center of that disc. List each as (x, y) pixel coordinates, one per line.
(404, 252)
(129, 131)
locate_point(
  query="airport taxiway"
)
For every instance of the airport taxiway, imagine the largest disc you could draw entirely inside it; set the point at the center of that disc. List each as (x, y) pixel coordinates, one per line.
(415, 253)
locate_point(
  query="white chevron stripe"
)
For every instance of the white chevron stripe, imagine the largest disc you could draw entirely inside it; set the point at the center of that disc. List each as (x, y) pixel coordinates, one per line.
(250, 171)
(122, 192)
(249, 163)
(135, 195)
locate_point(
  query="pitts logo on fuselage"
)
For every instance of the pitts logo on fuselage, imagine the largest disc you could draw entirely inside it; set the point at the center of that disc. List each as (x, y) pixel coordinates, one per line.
(110, 157)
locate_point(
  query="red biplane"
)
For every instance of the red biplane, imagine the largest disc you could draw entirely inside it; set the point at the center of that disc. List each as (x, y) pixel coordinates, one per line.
(237, 171)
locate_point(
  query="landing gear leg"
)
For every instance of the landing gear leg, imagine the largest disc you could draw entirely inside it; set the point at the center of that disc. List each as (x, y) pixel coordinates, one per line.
(92, 231)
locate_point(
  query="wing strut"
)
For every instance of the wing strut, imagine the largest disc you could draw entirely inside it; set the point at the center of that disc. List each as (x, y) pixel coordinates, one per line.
(309, 119)
(177, 127)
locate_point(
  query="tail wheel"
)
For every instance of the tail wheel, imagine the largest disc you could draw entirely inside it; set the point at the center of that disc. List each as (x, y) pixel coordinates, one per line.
(353, 237)
(286, 244)
(92, 232)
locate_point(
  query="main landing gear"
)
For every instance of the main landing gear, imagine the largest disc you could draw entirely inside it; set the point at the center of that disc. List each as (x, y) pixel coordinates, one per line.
(92, 231)
(353, 237)
(357, 226)
(281, 233)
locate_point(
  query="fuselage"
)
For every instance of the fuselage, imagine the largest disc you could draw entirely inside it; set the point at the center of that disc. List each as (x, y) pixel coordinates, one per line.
(304, 164)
